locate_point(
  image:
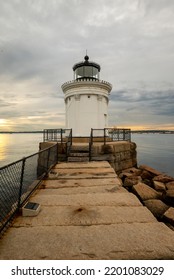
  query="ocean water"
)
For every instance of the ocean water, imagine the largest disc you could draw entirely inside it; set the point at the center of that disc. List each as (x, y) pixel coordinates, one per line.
(15, 146)
(155, 150)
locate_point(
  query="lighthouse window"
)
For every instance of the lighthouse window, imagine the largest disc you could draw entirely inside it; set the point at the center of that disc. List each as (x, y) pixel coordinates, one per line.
(89, 96)
(69, 98)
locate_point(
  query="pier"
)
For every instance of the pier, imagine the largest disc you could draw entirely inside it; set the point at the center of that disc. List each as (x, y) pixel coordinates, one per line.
(86, 214)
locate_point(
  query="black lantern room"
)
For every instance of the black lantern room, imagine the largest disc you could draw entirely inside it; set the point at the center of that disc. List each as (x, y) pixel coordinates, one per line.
(86, 70)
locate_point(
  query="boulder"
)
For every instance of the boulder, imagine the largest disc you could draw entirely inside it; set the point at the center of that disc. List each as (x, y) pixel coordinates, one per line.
(124, 174)
(144, 192)
(132, 180)
(163, 178)
(133, 171)
(170, 186)
(145, 175)
(159, 186)
(169, 215)
(153, 171)
(169, 197)
(157, 207)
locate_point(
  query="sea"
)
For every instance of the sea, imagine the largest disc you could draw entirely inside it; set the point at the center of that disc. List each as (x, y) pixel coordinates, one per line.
(153, 149)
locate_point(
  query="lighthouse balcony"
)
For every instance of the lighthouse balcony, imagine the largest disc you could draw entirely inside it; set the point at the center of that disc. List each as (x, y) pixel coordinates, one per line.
(85, 81)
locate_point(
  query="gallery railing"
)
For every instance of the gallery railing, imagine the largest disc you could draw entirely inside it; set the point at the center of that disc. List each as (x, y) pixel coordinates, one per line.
(19, 179)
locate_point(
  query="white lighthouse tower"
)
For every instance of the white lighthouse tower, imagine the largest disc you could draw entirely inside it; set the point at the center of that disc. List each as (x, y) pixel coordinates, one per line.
(86, 99)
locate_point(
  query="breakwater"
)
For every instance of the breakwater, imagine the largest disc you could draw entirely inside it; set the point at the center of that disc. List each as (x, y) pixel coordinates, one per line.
(154, 189)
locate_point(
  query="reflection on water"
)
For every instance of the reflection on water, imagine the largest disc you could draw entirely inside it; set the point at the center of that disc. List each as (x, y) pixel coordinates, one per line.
(4, 144)
(18, 145)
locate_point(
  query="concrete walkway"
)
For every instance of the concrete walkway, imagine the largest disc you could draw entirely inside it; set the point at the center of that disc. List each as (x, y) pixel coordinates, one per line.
(86, 214)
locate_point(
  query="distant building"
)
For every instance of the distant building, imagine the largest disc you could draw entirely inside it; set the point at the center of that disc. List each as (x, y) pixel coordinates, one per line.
(86, 99)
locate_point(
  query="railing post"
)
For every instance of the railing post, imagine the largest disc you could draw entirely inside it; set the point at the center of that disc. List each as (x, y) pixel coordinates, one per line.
(61, 135)
(104, 136)
(21, 182)
(57, 151)
(48, 157)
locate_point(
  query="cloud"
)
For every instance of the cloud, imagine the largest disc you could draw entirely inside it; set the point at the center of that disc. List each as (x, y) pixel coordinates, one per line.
(40, 41)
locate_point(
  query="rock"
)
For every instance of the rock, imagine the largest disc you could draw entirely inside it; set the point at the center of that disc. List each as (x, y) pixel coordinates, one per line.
(144, 192)
(157, 207)
(169, 215)
(170, 186)
(169, 197)
(133, 171)
(163, 178)
(124, 174)
(146, 175)
(159, 186)
(150, 169)
(132, 180)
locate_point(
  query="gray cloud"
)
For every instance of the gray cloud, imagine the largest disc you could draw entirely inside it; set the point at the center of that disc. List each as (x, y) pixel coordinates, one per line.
(40, 41)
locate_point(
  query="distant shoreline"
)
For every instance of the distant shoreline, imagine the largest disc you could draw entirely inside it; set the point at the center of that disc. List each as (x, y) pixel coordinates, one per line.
(132, 131)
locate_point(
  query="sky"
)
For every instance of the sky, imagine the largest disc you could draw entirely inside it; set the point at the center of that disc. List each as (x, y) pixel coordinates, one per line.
(40, 41)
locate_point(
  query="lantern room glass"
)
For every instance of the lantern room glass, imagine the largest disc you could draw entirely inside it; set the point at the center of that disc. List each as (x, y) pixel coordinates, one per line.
(86, 72)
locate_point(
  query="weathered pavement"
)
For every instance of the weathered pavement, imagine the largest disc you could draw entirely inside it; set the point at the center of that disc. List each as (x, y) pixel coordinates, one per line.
(86, 214)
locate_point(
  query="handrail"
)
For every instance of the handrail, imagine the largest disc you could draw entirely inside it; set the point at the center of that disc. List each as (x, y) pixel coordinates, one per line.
(19, 180)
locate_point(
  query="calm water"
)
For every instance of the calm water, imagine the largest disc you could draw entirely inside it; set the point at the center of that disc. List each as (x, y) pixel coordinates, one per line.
(155, 150)
(16, 146)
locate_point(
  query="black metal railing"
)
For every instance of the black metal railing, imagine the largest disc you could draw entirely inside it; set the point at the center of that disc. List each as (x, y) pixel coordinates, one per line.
(106, 135)
(56, 135)
(109, 135)
(19, 179)
(63, 136)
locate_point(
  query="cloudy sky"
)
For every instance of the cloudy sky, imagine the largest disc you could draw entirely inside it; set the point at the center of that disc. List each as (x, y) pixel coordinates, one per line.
(132, 40)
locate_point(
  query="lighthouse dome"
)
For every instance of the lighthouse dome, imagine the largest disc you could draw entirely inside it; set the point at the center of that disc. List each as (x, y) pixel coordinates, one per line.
(86, 70)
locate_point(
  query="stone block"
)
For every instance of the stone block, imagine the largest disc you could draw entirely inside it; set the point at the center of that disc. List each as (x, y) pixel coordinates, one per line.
(163, 178)
(159, 186)
(133, 171)
(107, 149)
(169, 197)
(157, 207)
(146, 175)
(144, 192)
(150, 169)
(170, 186)
(132, 180)
(169, 215)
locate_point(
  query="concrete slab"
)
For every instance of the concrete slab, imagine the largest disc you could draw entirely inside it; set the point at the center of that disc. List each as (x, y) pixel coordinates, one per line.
(90, 164)
(90, 182)
(100, 199)
(77, 216)
(120, 241)
(83, 173)
(79, 190)
(84, 170)
(86, 218)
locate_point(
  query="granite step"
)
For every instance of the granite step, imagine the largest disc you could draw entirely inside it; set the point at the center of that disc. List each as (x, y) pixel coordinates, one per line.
(78, 159)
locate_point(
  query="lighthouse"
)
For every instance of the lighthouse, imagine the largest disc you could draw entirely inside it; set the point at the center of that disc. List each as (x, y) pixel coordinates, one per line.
(86, 99)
